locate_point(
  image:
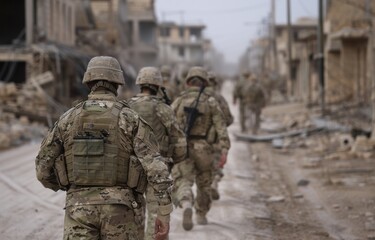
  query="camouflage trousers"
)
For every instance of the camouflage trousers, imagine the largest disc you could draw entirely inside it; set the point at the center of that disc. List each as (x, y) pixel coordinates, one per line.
(196, 168)
(217, 172)
(100, 222)
(250, 113)
(152, 209)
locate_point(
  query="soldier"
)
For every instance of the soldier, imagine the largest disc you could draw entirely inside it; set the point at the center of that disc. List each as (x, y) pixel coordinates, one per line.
(254, 99)
(103, 154)
(168, 89)
(196, 111)
(217, 172)
(237, 95)
(172, 140)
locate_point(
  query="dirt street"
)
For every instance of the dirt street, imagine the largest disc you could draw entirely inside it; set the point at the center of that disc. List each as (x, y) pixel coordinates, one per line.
(266, 194)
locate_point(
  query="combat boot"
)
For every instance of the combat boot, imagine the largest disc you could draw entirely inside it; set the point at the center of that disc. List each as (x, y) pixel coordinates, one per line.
(201, 219)
(187, 221)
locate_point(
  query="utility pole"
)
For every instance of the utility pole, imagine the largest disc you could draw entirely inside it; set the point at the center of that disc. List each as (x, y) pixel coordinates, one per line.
(290, 35)
(320, 57)
(372, 61)
(273, 37)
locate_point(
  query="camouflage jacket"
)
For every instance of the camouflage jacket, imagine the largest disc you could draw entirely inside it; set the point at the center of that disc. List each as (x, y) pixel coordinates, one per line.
(253, 95)
(210, 115)
(169, 133)
(237, 91)
(135, 134)
(222, 103)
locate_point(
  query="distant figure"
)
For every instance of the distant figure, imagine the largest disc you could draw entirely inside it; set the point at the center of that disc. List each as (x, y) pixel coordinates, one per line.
(104, 155)
(252, 101)
(168, 88)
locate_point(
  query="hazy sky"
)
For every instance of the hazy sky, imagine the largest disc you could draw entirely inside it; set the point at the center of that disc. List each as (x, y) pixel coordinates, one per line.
(231, 24)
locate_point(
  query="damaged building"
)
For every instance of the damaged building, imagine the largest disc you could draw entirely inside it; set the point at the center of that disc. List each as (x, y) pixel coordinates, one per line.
(49, 43)
(181, 44)
(349, 51)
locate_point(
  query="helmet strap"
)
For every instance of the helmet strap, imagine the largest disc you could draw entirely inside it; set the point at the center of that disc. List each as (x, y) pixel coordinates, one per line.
(106, 85)
(152, 87)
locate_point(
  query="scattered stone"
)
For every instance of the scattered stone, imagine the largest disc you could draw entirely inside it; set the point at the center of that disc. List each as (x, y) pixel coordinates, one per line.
(278, 143)
(255, 158)
(275, 199)
(371, 237)
(303, 183)
(311, 162)
(353, 216)
(369, 214)
(336, 206)
(298, 195)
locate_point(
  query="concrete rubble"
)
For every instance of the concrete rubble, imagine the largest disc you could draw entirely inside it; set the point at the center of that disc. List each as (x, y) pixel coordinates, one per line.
(14, 130)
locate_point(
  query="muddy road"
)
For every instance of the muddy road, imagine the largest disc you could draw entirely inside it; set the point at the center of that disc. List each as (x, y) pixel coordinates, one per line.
(260, 197)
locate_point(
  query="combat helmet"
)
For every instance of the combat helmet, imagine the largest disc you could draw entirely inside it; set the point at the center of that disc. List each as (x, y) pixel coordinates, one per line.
(212, 78)
(246, 73)
(104, 68)
(149, 76)
(165, 71)
(198, 72)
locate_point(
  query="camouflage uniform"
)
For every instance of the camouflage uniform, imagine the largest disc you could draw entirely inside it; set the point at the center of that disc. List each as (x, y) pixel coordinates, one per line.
(254, 99)
(170, 87)
(103, 198)
(217, 171)
(198, 166)
(237, 95)
(172, 140)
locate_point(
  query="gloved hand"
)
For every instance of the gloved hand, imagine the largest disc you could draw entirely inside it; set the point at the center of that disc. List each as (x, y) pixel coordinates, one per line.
(223, 160)
(161, 229)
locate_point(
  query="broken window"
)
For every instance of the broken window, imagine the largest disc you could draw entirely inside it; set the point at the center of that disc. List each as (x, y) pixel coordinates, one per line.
(181, 51)
(165, 31)
(13, 71)
(12, 22)
(196, 33)
(147, 32)
(181, 32)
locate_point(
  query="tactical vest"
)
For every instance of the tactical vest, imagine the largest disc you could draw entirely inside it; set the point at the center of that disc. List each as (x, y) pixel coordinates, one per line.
(93, 154)
(253, 94)
(203, 121)
(147, 108)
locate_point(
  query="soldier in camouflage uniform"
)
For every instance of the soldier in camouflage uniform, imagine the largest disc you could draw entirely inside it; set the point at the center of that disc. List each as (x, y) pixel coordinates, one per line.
(237, 95)
(199, 164)
(103, 154)
(212, 135)
(254, 100)
(172, 140)
(168, 88)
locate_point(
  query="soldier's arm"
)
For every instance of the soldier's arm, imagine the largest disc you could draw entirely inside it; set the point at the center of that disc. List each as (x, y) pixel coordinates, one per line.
(177, 138)
(50, 150)
(219, 125)
(225, 108)
(146, 149)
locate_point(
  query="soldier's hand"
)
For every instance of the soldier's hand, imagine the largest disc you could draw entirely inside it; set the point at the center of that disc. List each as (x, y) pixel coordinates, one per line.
(223, 160)
(161, 229)
(234, 101)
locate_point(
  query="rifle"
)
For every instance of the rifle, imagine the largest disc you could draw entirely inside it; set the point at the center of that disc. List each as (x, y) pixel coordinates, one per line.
(192, 114)
(167, 100)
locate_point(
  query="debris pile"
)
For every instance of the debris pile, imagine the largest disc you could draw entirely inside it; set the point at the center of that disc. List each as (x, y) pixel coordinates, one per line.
(16, 131)
(22, 99)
